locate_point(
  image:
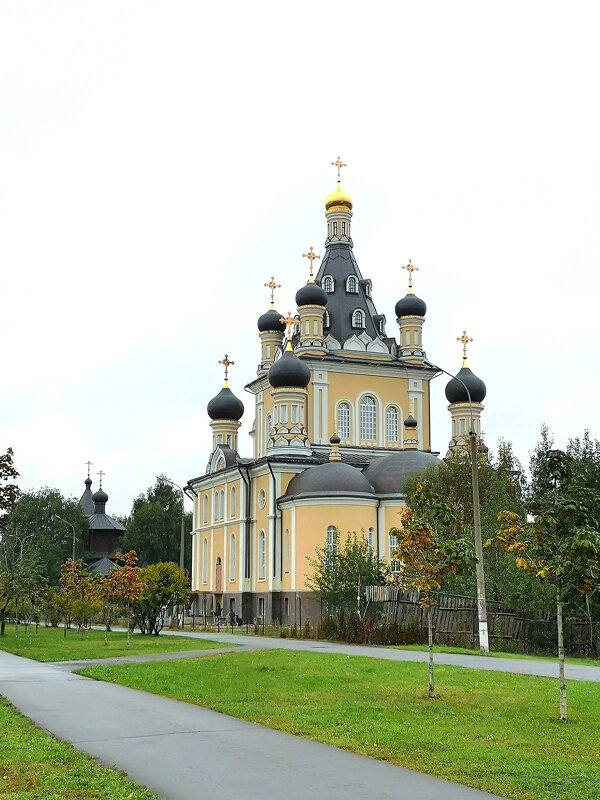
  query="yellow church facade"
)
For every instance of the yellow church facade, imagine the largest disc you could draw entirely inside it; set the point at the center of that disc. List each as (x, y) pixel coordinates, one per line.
(341, 418)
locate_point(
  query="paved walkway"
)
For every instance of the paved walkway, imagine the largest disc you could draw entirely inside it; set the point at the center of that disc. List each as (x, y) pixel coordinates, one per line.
(517, 666)
(181, 751)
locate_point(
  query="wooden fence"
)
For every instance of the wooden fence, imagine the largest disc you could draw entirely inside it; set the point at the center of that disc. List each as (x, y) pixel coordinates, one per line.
(455, 622)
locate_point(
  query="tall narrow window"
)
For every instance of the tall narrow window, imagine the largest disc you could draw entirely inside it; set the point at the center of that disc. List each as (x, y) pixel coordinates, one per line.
(326, 321)
(232, 502)
(330, 538)
(335, 228)
(222, 514)
(394, 565)
(294, 413)
(205, 561)
(286, 551)
(283, 415)
(216, 506)
(327, 284)
(368, 422)
(358, 318)
(343, 228)
(391, 424)
(462, 427)
(232, 557)
(352, 285)
(262, 556)
(269, 427)
(371, 539)
(343, 421)
(205, 509)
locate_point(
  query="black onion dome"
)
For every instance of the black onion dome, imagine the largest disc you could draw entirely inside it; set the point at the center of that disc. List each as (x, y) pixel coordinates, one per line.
(410, 422)
(289, 371)
(411, 306)
(311, 294)
(335, 439)
(270, 321)
(387, 475)
(100, 496)
(335, 477)
(225, 405)
(456, 393)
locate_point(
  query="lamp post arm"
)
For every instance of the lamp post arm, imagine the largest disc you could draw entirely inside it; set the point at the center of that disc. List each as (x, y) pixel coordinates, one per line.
(66, 521)
(182, 535)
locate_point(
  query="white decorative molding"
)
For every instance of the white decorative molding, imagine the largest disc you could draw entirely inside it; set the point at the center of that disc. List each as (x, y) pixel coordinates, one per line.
(355, 343)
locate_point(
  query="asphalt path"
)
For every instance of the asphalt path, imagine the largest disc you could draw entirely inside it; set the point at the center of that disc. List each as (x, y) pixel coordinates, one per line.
(182, 752)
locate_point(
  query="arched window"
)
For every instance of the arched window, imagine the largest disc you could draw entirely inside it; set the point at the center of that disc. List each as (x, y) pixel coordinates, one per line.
(391, 424)
(262, 556)
(205, 561)
(358, 318)
(394, 565)
(232, 502)
(232, 557)
(343, 421)
(222, 514)
(330, 538)
(269, 427)
(216, 507)
(371, 539)
(286, 551)
(368, 420)
(352, 284)
(327, 284)
(205, 509)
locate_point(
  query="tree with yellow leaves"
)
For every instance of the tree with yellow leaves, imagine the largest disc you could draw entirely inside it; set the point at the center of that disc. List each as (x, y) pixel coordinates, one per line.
(560, 541)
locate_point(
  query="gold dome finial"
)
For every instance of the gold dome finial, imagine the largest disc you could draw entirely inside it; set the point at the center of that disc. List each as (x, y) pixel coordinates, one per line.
(226, 363)
(272, 286)
(289, 322)
(464, 339)
(311, 257)
(410, 269)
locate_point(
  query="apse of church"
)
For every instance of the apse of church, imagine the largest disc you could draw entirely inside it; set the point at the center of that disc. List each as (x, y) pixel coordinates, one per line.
(341, 418)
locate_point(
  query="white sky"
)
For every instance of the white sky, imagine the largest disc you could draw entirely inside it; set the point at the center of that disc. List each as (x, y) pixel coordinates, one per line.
(159, 161)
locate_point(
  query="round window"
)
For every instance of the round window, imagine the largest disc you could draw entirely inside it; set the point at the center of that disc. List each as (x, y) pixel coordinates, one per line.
(262, 498)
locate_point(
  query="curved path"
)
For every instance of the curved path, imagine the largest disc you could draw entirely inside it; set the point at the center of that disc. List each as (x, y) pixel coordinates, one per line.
(183, 752)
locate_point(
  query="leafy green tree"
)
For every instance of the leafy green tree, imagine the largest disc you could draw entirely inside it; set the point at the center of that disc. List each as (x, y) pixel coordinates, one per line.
(82, 592)
(9, 492)
(340, 572)
(34, 516)
(427, 558)
(125, 586)
(21, 576)
(559, 541)
(165, 585)
(154, 527)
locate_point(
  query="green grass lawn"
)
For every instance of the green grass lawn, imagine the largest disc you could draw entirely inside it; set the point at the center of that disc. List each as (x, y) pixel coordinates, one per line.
(493, 731)
(51, 645)
(441, 648)
(35, 765)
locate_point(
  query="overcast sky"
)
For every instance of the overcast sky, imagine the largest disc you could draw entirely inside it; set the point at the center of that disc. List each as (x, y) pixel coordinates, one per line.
(160, 161)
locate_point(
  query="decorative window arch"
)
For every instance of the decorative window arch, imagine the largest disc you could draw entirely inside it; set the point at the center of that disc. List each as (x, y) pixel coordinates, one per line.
(262, 556)
(222, 510)
(358, 318)
(328, 284)
(232, 502)
(391, 424)
(343, 421)
(368, 418)
(232, 557)
(330, 538)
(286, 551)
(205, 561)
(352, 284)
(205, 509)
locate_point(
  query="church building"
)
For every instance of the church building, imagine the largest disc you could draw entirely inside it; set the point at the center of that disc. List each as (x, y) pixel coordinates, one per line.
(341, 418)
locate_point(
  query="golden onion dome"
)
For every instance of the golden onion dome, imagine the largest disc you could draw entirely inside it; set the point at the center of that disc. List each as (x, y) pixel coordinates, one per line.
(338, 198)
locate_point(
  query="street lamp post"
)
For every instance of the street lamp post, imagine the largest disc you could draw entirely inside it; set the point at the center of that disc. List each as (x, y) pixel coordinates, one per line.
(55, 516)
(182, 535)
(484, 644)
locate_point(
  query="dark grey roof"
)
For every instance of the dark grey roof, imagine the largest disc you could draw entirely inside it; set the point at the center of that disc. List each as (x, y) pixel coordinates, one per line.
(102, 565)
(333, 478)
(339, 262)
(85, 501)
(388, 474)
(102, 522)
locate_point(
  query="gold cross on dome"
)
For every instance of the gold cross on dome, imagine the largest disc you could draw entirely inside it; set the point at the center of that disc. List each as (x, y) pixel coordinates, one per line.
(88, 465)
(226, 363)
(339, 164)
(101, 475)
(311, 257)
(464, 339)
(410, 268)
(289, 322)
(272, 286)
